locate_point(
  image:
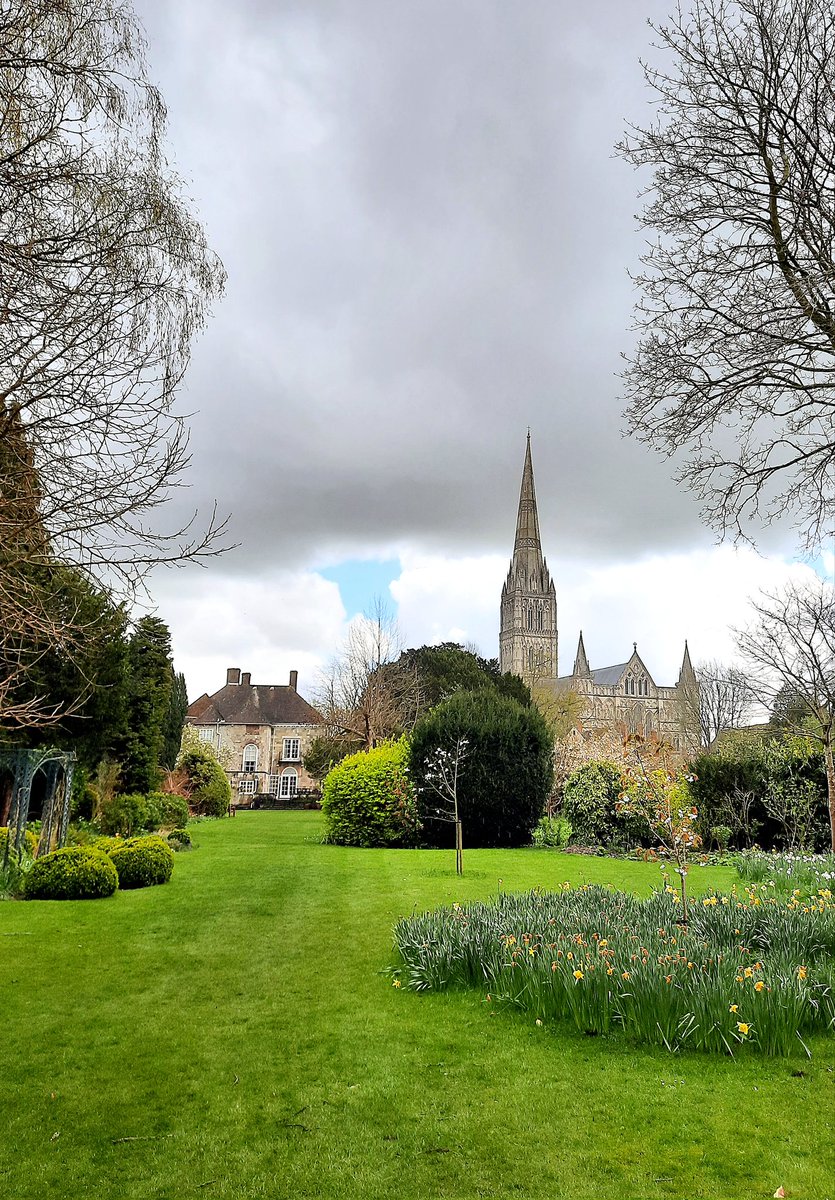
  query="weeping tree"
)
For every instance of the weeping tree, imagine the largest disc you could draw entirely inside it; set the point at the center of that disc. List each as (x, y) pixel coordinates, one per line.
(105, 278)
(734, 365)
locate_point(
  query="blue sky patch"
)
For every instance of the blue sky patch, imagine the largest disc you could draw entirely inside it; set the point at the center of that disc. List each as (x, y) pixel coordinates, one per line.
(361, 580)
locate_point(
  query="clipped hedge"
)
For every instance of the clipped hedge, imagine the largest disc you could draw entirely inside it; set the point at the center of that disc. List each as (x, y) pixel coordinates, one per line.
(369, 800)
(143, 862)
(74, 873)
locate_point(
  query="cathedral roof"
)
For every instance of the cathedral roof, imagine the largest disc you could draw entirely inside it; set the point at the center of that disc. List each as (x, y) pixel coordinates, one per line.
(607, 676)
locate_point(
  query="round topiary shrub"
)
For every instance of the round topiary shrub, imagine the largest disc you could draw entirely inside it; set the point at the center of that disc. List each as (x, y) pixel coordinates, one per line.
(505, 776)
(74, 873)
(143, 862)
(368, 799)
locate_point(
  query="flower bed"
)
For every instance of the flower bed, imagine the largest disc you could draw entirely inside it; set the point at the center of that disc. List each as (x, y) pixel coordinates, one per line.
(749, 968)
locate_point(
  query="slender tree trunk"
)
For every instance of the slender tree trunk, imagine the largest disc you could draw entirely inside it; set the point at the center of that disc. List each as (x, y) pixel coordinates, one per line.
(459, 849)
(830, 788)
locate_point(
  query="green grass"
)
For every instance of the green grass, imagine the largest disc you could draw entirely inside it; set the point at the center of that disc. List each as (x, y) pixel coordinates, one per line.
(239, 1024)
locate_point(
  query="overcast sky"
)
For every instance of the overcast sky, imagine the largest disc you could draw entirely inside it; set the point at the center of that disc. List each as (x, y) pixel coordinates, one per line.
(428, 241)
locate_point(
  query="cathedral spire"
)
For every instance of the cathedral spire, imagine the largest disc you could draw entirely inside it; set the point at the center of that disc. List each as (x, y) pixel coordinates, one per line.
(528, 630)
(527, 520)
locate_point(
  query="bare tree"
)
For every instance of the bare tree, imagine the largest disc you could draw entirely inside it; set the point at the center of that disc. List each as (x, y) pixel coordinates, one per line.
(442, 771)
(105, 278)
(736, 356)
(792, 644)
(363, 694)
(724, 699)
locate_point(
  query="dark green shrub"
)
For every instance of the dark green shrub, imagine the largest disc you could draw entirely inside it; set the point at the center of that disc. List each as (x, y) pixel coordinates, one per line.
(82, 796)
(143, 862)
(552, 832)
(179, 839)
(368, 799)
(171, 810)
(507, 773)
(590, 797)
(30, 842)
(74, 873)
(771, 792)
(124, 814)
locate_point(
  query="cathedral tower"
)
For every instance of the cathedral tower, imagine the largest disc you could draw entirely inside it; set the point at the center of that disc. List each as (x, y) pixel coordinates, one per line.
(528, 629)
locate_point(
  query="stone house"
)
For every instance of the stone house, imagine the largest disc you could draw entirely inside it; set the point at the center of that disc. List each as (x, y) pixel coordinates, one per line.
(260, 733)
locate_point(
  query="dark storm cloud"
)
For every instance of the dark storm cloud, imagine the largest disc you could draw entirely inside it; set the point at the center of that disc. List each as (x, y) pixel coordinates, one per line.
(427, 238)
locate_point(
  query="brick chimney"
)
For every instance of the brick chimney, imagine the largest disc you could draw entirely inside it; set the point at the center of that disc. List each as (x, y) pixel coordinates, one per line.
(294, 679)
(245, 678)
(233, 675)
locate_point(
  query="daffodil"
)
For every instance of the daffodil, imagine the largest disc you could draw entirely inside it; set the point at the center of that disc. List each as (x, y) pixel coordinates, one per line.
(578, 974)
(743, 1028)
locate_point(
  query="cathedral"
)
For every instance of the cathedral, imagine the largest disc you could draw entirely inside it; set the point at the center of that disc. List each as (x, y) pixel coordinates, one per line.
(623, 696)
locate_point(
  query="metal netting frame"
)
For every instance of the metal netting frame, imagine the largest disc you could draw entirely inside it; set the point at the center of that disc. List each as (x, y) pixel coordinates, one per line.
(24, 765)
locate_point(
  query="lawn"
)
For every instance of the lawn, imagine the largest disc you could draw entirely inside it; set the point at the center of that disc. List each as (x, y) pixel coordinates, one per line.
(233, 1035)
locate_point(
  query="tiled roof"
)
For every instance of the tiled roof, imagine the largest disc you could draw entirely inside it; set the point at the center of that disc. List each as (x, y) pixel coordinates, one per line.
(253, 704)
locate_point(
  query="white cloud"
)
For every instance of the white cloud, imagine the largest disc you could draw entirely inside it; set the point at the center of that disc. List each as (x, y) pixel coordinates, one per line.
(290, 620)
(295, 620)
(441, 599)
(698, 595)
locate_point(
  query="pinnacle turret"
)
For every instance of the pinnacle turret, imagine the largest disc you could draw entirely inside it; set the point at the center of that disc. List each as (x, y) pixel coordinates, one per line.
(581, 662)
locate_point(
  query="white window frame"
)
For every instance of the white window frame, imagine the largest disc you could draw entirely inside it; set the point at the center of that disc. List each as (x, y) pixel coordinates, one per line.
(247, 787)
(206, 733)
(273, 785)
(291, 776)
(248, 763)
(286, 749)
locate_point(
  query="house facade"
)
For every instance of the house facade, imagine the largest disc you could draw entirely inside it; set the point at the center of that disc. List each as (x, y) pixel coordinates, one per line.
(260, 734)
(622, 697)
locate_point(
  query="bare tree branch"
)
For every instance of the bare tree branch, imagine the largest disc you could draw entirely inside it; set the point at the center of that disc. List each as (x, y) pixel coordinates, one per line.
(105, 279)
(735, 363)
(791, 646)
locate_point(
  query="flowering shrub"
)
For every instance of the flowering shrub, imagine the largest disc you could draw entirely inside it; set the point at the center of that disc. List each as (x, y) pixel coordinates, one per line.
(749, 969)
(661, 798)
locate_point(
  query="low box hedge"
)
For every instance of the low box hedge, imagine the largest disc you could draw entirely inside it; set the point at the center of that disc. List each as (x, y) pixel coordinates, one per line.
(74, 873)
(143, 862)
